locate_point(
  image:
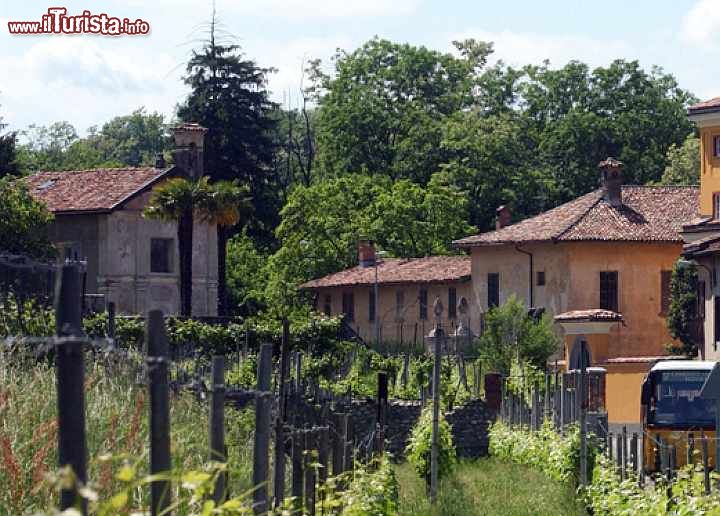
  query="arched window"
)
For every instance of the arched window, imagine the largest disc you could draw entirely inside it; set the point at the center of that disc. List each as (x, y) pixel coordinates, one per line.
(575, 357)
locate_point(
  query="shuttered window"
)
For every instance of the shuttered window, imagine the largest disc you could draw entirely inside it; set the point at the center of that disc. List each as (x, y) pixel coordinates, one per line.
(371, 305)
(665, 278)
(348, 301)
(493, 283)
(423, 304)
(452, 303)
(328, 305)
(609, 290)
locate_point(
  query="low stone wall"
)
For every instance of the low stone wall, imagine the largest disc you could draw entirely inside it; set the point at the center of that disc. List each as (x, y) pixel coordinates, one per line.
(469, 423)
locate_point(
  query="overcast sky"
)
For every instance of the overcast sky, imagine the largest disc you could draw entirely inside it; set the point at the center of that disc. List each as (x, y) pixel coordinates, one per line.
(87, 80)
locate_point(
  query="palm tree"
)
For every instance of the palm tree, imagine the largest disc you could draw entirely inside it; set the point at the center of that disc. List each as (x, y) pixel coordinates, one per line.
(181, 200)
(230, 202)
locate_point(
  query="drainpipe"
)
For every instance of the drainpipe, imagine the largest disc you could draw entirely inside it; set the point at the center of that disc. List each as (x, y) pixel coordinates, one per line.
(530, 278)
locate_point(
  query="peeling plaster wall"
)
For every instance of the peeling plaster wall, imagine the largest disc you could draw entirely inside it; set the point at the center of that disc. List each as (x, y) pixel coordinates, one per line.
(513, 267)
(117, 248)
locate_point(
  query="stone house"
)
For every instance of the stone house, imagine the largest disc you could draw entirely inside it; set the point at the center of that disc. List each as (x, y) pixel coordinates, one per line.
(702, 234)
(602, 263)
(407, 289)
(131, 261)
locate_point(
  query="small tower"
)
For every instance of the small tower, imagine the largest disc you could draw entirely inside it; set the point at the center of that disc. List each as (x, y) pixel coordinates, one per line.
(189, 145)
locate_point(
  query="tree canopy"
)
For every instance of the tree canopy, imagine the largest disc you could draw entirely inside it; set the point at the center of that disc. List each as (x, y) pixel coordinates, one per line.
(229, 97)
(24, 222)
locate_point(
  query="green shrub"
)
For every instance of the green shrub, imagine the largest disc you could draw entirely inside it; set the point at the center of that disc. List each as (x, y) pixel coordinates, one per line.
(420, 447)
(608, 495)
(372, 492)
(546, 450)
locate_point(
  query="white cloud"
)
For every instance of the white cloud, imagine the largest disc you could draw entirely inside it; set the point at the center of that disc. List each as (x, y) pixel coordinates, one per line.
(701, 25)
(521, 48)
(79, 80)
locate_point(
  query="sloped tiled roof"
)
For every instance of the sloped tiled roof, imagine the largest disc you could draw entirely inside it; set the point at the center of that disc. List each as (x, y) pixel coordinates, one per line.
(648, 214)
(704, 246)
(431, 269)
(707, 106)
(95, 190)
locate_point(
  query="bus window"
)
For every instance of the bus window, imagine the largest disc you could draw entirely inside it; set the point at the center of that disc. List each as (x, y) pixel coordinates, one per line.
(675, 400)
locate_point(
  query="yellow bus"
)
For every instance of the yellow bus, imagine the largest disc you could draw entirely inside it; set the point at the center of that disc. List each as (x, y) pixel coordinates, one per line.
(672, 412)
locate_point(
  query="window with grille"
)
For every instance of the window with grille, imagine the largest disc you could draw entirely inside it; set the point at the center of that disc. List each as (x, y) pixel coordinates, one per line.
(452, 303)
(540, 278)
(161, 255)
(371, 305)
(327, 309)
(665, 278)
(348, 305)
(609, 290)
(493, 283)
(423, 304)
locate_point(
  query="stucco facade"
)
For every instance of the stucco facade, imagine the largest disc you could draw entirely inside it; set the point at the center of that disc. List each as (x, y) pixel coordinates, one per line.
(572, 282)
(402, 323)
(116, 247)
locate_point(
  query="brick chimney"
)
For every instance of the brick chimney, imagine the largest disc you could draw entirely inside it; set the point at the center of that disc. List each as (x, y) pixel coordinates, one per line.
(366, 253)
(503, 216)
(611, 179)
(189, 145)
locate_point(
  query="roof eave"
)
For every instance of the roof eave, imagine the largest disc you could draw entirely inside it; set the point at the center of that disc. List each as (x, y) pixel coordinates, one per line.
(461, 279)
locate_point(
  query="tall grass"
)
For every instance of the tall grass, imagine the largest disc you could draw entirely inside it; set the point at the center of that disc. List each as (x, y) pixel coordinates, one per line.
(116, 425)
(487, 487)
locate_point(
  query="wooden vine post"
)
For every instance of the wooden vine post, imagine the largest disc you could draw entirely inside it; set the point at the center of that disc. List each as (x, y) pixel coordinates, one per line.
(436, 338)
(70, 373)
(157, 356)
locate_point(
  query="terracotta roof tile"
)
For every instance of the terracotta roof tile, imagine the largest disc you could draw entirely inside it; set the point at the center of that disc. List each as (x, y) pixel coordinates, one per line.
(704, 246)
(648, 214)
(705, 107)
(431, 269)
(593, 315)
(90, 190)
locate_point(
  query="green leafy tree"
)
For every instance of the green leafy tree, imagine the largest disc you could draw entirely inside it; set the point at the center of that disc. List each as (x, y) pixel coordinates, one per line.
(246, 275)
(682, 318)
(382, 111)
(131, 140)
(24, 222)
(578, 117)
(683, 166)
(229, 97)
(230, 203)
(181, 201)
(8, 160)
(510, 334)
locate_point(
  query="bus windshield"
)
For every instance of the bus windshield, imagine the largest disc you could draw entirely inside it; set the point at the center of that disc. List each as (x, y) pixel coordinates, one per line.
(676, 400)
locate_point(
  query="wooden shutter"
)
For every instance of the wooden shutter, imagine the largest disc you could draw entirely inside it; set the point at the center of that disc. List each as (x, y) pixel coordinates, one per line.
(452, 303)
(665, 278)
(423, 304)
(371, 305)
(609, 290)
